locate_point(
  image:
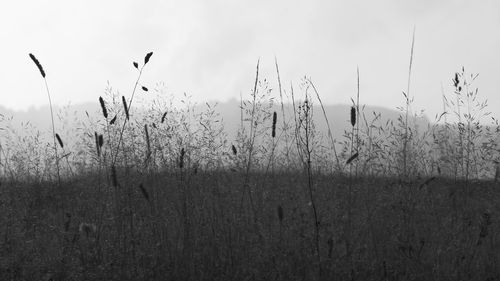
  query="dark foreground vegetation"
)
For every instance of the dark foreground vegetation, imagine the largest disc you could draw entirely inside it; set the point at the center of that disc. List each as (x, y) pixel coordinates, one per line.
(397, 232)
(158, 192)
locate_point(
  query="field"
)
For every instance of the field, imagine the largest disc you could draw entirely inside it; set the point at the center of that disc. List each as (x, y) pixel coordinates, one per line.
(166, 193)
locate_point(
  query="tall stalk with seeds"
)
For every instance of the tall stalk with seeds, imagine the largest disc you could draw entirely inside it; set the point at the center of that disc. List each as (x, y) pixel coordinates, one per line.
(304, 135)
(128, 105)
(354, 155)
(54, 135)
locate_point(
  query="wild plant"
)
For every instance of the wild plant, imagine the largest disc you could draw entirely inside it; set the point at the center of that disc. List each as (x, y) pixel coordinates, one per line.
(408, 99)
(305, 137)
(464, 144)
(42, 72)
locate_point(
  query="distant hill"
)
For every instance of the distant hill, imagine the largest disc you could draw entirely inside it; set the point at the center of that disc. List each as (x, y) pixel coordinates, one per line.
(338, 115)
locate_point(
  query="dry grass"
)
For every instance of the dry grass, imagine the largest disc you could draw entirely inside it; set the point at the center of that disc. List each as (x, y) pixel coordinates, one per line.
(172, 197)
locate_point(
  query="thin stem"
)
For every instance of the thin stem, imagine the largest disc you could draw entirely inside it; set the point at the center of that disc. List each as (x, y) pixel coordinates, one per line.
(251, 141)
(55, 144)
(358, 118)
(328, 125)
(125, 121)
(405, 145)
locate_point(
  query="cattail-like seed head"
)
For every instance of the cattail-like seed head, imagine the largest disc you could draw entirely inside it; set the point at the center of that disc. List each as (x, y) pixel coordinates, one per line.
(163, 117)
(97, 146)
(103, 107)
(136, 65)
(352, 158)
(38, 65)
(280, 213)
(113, 120)
(125, 107)
(353, 116)
(144, 89)
(181, 158)
(234, 149)
(101, 141)
(59, 140)
(456, 80)
(147, 138)
(275, 118)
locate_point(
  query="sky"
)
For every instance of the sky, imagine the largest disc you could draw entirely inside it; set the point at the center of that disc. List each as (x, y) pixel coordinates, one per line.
(209, 49)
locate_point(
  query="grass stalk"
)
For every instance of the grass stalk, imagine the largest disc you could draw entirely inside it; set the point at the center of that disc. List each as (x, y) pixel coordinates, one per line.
(42, 72)
(407, 95)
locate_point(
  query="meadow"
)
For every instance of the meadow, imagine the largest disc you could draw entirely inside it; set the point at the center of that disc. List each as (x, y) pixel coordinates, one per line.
(161, 192)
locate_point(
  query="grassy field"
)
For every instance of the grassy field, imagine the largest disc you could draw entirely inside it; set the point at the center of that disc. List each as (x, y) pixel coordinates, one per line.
(166, 194)
(397, 232)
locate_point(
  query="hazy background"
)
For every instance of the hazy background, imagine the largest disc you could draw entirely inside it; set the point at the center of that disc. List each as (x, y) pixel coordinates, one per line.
(209, 48)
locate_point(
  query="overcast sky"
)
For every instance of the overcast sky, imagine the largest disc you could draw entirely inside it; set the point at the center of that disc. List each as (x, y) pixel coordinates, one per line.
(209, 48)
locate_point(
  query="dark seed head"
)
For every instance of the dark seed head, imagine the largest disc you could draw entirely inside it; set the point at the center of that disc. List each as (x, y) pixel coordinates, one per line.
(125, 107)
(456, 80)
(352, 158)
(147, 137)
(101, 141)
(97, 146)
(38, 65)
(163, 117)
(103, 107)
(353, 116)
(59, 140)
(148, 56)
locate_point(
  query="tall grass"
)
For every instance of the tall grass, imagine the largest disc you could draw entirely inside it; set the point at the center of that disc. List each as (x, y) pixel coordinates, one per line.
(170, 194)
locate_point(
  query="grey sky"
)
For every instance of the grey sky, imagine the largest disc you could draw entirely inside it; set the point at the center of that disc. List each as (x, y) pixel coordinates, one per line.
(209, 48)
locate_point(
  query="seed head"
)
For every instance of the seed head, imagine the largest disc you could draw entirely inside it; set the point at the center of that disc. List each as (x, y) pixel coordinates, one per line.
(100, 141)
(125, 107)
(103, 107)
(113, 120)
(148, 56)
(275, 118)
(38, 65)
(456, 80)
(59, 140)
(97, 146)
(353, 115)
